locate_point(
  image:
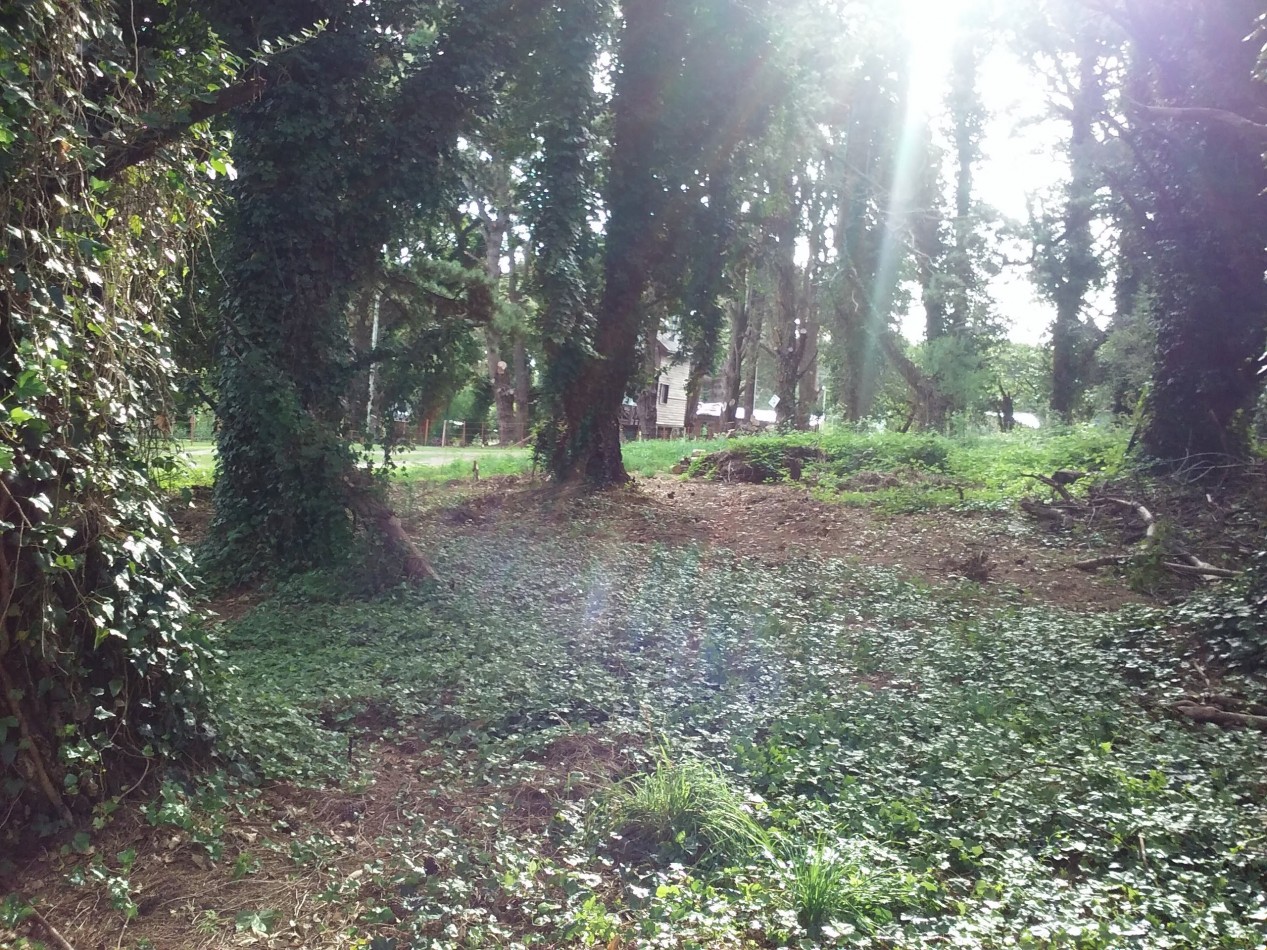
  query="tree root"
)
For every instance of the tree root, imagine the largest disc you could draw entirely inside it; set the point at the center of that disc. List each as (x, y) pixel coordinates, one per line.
(373, 510)
(32, 750)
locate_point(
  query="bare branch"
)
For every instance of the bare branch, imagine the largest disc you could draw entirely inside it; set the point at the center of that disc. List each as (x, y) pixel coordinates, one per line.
(1255, 131)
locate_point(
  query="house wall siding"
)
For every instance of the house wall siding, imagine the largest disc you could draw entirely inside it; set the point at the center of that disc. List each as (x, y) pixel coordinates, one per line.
(672, 415)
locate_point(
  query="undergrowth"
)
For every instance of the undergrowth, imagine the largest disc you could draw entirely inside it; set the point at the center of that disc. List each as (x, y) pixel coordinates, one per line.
(618, 746)
(904, 472)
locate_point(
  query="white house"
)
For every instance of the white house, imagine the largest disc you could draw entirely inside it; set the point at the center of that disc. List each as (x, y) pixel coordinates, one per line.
(671, 379)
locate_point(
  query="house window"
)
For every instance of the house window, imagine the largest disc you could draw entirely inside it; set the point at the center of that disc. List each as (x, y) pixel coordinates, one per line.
(664, 394)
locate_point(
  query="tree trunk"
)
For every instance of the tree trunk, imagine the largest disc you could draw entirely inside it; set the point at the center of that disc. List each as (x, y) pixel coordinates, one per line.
(1206, 234)
(521, 372)
(500, 372)
(732, 372)
(928, 243)
(752, 347)
(809, 392)
(1078, 253)
(930, 404)
(789, 336)
(649, 395)
(589, 444)
(523, 392)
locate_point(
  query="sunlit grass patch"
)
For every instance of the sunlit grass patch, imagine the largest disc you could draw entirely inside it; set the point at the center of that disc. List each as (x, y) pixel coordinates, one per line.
(838, 887)
(685, 809)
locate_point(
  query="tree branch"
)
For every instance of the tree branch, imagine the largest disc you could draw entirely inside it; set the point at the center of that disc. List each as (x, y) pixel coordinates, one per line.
(1256, 131)
(123, 156)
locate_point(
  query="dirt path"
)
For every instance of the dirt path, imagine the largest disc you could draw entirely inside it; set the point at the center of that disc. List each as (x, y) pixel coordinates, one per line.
(1001, 550)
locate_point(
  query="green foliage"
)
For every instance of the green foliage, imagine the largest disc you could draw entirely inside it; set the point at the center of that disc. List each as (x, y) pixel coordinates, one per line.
(842, 886)
(933, 767)
(911, 471)
(97, 664)
(1230, 625)
(683, 810)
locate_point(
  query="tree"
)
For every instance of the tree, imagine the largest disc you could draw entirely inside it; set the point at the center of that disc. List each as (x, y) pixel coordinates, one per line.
(1070, 46)
(105, 188)
(1198, 195)
(684, 92)
(336, 162)
(865, 170)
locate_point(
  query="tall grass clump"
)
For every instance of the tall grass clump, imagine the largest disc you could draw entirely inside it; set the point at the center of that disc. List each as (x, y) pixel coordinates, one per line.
(684, 810)
(843, 885)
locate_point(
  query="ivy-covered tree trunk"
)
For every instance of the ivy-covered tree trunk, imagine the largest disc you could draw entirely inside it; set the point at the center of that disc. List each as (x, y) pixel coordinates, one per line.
(333, 162)
(292, 260)
(1207, 229)
(588, 446)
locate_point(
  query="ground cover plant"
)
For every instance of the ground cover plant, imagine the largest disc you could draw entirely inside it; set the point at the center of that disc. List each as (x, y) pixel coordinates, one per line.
(581, 741)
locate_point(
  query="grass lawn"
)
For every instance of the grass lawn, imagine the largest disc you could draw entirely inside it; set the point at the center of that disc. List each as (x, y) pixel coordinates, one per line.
(196, 461)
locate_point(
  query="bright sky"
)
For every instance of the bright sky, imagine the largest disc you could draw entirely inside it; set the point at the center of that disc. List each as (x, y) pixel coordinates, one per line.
(1022, 155)
(1021, 152)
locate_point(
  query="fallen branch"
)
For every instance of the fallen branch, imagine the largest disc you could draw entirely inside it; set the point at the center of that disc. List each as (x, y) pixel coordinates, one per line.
(1209, 568)
(1145, 515)
(58, 941)
(1228, 704)
(1219, 717)
(1051, 483)
(1097, 562)
(1199, 570)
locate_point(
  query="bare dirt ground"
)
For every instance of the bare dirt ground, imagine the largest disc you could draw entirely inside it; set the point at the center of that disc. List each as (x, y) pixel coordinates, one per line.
(1002, 551)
